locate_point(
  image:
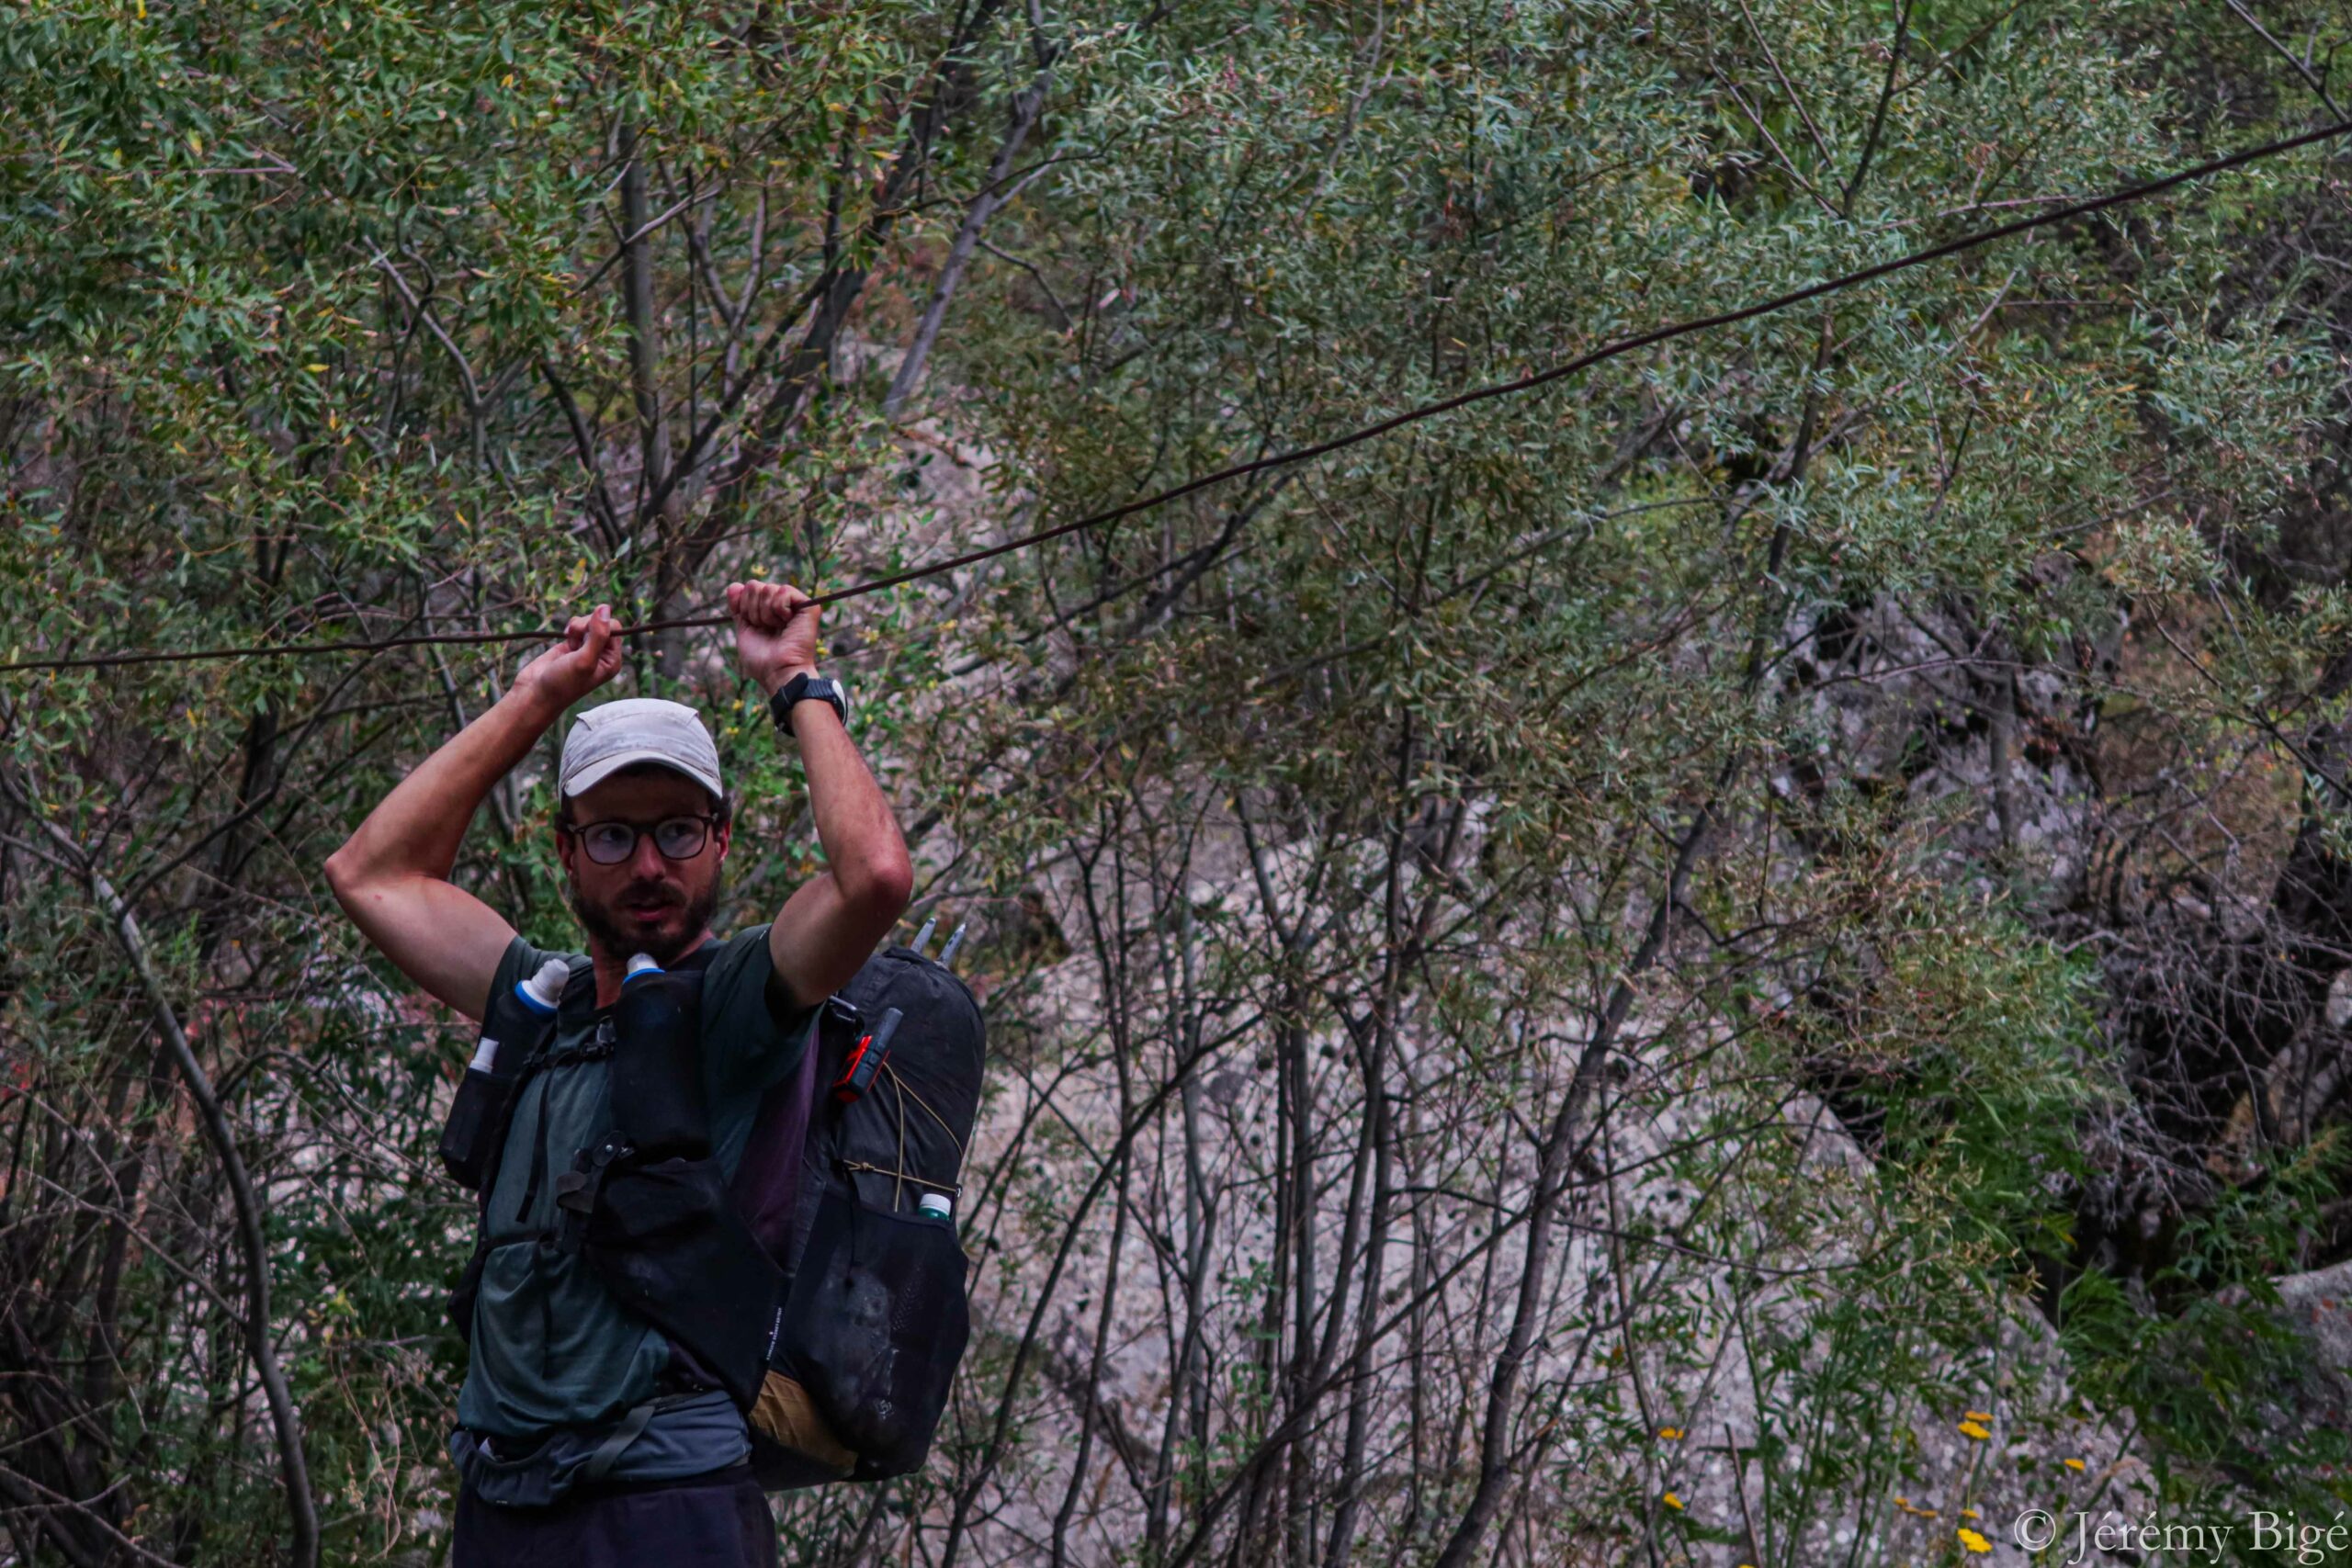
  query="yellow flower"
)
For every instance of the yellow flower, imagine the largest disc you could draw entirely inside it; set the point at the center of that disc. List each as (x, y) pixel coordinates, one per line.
(1970, 1513)
(1978, 1415)
(1971, 1428)
(2074, 1464)
(1975, 1542)
(1672, 1501)
(1669, 1433)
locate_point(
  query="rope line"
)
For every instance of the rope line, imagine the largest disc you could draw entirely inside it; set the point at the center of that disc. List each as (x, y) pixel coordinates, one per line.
(1297, 455)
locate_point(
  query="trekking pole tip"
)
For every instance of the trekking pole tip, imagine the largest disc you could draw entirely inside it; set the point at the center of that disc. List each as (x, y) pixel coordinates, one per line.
(955, 941)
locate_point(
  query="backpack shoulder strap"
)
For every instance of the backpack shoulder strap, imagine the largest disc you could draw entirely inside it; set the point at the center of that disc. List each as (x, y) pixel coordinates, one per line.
(579, 983)
(527, 1032)
(529, 1036)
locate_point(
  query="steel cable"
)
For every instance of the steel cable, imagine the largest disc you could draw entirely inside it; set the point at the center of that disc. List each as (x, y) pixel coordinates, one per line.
(1279, 459)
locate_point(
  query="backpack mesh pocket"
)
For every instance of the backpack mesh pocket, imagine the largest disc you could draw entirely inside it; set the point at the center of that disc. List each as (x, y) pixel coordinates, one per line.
(874, 1327)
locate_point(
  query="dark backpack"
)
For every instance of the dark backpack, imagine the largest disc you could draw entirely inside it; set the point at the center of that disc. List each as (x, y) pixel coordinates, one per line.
(812, 1287)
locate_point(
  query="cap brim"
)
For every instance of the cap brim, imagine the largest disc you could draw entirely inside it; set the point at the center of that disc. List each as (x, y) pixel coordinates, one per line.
(604, 768)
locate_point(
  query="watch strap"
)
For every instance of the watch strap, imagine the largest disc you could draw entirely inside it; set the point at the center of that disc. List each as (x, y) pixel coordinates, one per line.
(801, 688)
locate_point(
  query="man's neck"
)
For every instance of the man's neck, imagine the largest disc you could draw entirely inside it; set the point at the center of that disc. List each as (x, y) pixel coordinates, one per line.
(612, 970)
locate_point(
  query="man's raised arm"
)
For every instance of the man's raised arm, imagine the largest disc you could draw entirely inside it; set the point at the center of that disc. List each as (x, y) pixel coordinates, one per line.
(392, 877)
(832, 922)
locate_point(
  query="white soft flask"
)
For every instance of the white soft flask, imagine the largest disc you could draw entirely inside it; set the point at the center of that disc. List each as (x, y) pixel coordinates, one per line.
(540, 993)
(543, 990)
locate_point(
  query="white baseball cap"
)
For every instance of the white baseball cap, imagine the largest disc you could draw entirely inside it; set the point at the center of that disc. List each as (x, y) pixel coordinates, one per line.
(612, 735)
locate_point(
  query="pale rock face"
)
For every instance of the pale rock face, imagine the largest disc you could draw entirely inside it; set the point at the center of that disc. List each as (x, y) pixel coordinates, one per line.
(1896, 698)
(1047, 1127)
(1702, 1389)
(2317, 1306)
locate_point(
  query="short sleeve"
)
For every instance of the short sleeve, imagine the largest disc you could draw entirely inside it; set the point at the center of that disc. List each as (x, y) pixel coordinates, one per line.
(752, 1036)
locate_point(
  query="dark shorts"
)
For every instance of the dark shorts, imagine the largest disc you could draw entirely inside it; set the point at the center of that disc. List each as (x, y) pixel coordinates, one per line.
(719, 1520)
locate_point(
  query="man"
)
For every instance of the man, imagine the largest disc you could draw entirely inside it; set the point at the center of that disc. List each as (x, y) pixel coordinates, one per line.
(585, 1438)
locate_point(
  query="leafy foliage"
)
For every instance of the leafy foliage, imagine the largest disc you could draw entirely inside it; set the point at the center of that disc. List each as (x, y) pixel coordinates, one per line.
(1747, 895)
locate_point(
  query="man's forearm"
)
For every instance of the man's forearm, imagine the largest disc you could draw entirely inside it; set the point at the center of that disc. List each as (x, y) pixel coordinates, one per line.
(864, 849)
(417, 829)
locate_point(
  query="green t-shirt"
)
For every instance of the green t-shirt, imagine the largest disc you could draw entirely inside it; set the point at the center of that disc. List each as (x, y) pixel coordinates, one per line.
(552, 1348)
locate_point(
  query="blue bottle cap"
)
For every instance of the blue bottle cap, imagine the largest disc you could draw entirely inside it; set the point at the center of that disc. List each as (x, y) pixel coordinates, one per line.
(543, 990)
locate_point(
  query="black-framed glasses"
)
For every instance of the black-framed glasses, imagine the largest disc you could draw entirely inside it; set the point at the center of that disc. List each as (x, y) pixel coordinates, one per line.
(611, 842)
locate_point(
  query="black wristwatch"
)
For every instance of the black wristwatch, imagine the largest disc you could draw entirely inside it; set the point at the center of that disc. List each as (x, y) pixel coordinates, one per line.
(800, 688)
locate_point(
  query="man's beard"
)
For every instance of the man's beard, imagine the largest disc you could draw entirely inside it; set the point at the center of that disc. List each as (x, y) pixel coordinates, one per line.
(621, 942)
